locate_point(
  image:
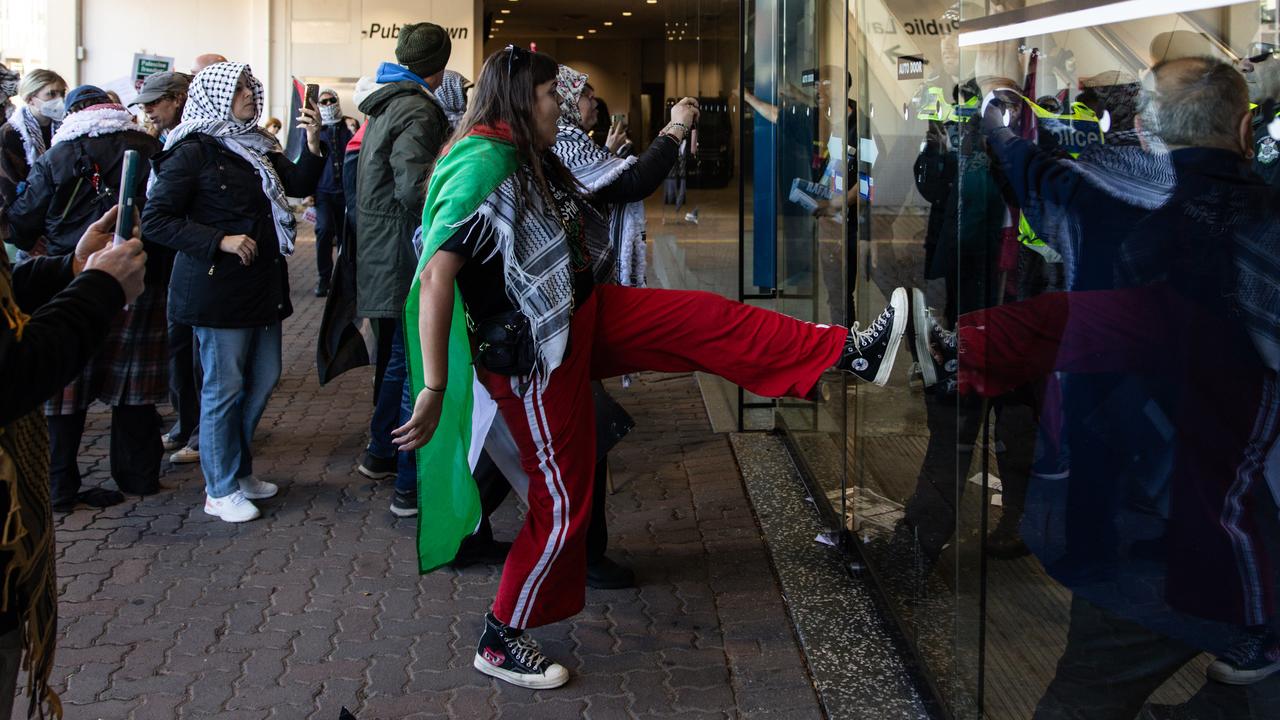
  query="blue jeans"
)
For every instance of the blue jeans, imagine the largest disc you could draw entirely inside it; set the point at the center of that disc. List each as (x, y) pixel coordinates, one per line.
(241, 367)
(406, 465)
(386, 410)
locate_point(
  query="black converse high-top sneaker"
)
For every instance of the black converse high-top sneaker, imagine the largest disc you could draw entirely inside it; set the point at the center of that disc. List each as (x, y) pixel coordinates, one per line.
(868, 354)
(511, 655)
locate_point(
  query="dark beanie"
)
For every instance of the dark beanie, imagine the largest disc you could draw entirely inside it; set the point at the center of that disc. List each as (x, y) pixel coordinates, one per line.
(423, 48)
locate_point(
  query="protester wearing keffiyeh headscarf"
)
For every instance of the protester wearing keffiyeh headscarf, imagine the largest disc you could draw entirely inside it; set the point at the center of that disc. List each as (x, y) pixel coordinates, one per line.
(208, 111)
(331, 114)
(452, 96)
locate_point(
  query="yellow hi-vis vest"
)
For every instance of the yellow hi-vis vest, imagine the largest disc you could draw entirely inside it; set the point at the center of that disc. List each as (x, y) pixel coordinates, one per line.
(934, 106)
(1074, 131)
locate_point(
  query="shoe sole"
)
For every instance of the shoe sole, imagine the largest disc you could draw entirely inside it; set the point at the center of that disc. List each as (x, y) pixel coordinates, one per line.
(403, 513)
(517, 679)
(260, 496)
(373, 474)
(920, 333)
(1239, 677)
(248, 519)
(184, 459)
(900, 309)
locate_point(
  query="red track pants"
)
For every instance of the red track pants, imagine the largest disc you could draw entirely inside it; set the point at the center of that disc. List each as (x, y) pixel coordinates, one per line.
(621, 330)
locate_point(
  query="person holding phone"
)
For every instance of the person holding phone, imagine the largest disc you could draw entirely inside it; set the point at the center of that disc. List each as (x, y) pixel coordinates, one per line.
(330, 198)
(70, 187)
(57, 313)
(219, 198)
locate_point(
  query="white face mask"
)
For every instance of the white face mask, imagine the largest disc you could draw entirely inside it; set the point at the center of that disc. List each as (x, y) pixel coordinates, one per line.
(55, 109)
(330, 114)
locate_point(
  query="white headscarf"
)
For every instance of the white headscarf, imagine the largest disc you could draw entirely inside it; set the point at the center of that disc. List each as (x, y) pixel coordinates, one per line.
(331, 114)
(208, 111)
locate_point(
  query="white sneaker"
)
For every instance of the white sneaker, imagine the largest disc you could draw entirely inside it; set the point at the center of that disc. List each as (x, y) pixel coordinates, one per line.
(234, 508)
(184, 455)
(256, 489)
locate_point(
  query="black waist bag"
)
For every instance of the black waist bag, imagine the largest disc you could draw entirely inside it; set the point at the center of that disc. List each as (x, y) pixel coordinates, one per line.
(505, 344)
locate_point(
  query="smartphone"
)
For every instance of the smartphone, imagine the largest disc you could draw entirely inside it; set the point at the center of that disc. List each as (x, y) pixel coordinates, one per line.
(619, 119)
(130, 170)
(693, 141)
(312, 99)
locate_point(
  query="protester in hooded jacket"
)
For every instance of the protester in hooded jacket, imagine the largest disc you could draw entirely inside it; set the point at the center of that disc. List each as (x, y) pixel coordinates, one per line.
(219, 197)
(70, 187)
(330, 201)
(28, 132)
(404, 133)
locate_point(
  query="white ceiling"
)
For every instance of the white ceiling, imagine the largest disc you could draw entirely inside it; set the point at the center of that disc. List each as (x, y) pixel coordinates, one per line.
(568, 18)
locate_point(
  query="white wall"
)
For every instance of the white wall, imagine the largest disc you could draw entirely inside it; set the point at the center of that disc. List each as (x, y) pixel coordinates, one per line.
(321, 41)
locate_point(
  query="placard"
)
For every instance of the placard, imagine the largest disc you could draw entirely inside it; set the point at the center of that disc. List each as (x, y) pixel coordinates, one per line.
(144, 66)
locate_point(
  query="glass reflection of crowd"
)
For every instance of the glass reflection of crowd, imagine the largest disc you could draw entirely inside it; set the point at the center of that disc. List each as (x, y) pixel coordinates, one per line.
(1111, 306)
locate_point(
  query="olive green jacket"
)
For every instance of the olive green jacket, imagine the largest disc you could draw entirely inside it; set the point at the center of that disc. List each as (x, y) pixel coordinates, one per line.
(406, 130)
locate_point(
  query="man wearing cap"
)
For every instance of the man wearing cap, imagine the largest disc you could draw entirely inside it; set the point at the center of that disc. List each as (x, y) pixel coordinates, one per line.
(163, 96)
(70, 187)
(405, 131)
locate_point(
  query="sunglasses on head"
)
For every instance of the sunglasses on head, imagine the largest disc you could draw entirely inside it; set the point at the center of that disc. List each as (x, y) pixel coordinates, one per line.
(329, 101)
(514, 53)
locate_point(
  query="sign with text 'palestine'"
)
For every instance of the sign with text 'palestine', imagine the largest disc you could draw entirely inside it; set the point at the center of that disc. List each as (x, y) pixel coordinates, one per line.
(144, 66)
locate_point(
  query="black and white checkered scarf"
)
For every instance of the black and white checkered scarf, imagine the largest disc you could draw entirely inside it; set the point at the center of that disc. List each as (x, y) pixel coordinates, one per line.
(8, 88)
(28, 126)
(596, 168)
(523, 228)
(452, 96)
(208, 111)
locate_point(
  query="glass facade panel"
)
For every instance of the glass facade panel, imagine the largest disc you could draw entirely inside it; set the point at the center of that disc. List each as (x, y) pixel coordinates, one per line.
(1045, 463)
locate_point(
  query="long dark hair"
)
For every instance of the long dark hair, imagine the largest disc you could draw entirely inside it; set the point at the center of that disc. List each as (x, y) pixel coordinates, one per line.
(504, 93)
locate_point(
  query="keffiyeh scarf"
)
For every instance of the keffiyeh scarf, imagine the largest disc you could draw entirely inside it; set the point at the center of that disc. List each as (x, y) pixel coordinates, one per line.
(8, 88)
(331, 114)
(569, 86)
(479, 179)
(95, 121)
(597, 168)
(33, 144)
(452, 96)
(208, 111)
(519, 225)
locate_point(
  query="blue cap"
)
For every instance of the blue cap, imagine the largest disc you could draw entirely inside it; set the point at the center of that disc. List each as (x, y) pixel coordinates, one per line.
(85, 96)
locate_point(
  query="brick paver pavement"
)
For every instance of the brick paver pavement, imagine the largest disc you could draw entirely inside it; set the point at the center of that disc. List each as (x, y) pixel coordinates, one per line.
(167, 613)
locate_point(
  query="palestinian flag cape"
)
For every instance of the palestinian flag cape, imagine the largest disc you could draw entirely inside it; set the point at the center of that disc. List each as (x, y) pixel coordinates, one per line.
(448, 501)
